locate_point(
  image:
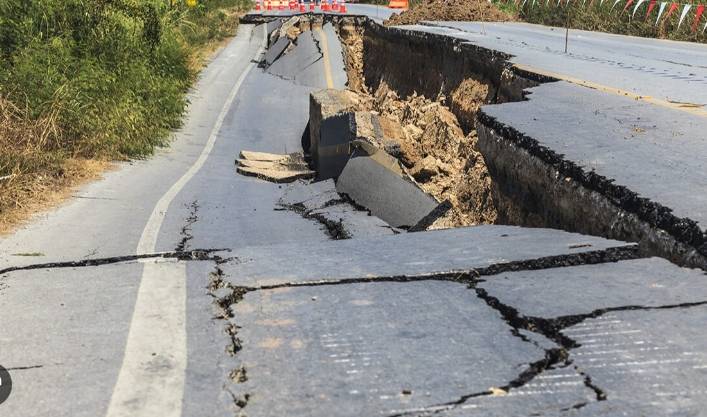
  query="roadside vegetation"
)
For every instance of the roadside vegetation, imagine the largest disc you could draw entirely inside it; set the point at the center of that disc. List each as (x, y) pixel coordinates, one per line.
(83, 82)
(596, 15)
(604, 17)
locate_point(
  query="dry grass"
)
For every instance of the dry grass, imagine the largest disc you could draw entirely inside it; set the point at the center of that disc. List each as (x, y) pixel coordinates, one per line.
(35, 174)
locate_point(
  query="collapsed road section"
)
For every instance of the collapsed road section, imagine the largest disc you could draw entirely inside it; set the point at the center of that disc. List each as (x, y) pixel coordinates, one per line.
(555, 154)
(493, 319)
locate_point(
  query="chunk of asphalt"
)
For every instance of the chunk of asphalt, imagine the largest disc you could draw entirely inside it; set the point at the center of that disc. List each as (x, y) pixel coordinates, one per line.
(324, 104)
(419, 255)
(334, 146)
(273, 25)
(274, 51)
(300, 65)
(379, 349)
(583, 289)
(375, 182)
(336, 55)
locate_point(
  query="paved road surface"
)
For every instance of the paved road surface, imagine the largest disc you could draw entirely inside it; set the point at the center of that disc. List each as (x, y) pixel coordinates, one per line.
(272, 317)
(664, 70)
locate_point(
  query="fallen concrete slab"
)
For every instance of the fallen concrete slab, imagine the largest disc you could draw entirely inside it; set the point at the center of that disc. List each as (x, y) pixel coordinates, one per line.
(334, 147)
(603, 164)
(377, 349)
(276, 168)
(275, 51)
(297, 64)
(452, 251)
(378, 183)
(325, 104)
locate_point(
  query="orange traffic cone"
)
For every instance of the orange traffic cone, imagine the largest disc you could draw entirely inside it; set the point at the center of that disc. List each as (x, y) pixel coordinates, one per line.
(398, 4)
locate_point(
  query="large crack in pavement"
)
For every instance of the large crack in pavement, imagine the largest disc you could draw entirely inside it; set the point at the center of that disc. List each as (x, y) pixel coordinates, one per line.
(227, 295)
(186, 232)
(186, 255)
(335, 229)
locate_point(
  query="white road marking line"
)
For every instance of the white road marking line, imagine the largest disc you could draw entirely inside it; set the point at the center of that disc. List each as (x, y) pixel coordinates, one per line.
(151, 378)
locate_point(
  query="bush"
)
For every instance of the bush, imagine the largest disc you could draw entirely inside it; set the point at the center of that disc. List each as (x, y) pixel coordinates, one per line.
(116, 70)
(94, 79)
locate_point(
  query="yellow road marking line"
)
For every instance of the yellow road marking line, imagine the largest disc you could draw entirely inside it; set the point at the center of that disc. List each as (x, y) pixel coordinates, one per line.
(325, 57)
(696, 109)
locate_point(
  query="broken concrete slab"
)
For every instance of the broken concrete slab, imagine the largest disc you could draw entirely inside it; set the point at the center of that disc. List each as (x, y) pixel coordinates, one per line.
(275, 51)
(337, 136)
(335, 54)
(583, 289)
(378, 183)
(418, 255)
(297, 64)
(352, 350)
(325, 104)
(276, 168)
(271, 28)
(629, 177)
(334, 148)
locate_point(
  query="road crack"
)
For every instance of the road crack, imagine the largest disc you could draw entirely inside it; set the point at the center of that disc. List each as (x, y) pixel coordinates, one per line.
(186, 232)
(188, 255)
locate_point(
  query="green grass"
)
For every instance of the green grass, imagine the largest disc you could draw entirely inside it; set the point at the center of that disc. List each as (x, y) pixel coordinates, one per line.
(95, 79)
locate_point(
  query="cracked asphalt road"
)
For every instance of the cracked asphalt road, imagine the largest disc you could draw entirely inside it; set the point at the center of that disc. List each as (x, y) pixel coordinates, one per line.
(242, 307)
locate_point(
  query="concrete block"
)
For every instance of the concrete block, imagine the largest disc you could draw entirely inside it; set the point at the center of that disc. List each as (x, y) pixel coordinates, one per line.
(378, 183)
(325, 104)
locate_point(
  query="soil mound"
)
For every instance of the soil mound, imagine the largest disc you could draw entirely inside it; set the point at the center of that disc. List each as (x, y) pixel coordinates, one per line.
(451, 10)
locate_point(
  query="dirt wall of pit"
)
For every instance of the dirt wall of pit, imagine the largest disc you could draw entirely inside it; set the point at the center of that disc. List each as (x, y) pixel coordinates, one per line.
(435, 65)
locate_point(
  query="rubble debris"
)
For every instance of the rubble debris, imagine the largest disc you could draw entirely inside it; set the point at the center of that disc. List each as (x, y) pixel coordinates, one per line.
(450, 10)
(276, 168)
(427, 138)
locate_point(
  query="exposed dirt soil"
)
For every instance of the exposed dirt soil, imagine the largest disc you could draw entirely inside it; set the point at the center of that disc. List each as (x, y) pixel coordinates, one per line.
(452, 10)
(352, 46)
(430, 142)
(441, 158)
